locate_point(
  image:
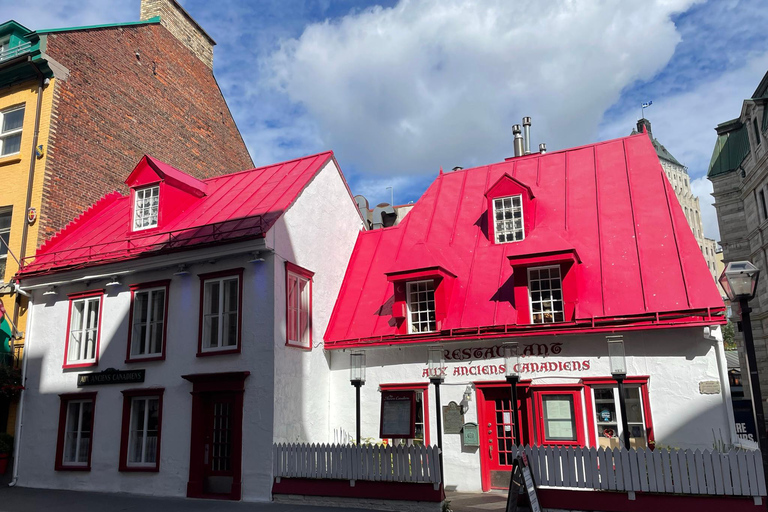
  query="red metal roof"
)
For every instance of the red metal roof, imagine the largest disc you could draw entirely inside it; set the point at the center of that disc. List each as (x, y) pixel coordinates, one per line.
(608, 204)
(226, 208)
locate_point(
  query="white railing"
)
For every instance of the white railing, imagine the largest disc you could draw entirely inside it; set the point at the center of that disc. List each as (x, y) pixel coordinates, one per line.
(413, 464)
(737, 473)
(15, 51)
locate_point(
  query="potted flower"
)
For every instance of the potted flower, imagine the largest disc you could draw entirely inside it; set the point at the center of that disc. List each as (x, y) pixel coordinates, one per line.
(6, 448)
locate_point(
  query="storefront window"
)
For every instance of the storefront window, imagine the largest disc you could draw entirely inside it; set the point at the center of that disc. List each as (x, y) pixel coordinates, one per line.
(418, 438)
(608, 417)
(559, 418)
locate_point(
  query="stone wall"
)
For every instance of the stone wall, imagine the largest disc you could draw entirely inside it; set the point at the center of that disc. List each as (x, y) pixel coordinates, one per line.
(182, 26)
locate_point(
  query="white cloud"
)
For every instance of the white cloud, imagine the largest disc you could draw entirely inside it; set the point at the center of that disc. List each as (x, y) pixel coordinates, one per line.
(440, 82)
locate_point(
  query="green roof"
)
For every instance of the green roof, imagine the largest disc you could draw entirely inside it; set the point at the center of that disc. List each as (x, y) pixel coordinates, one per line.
(156, 19)
(661, 151)
(730, 150)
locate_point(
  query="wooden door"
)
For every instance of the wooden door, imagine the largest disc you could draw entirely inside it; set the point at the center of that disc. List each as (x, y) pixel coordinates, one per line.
(496, 435)
(218, 449)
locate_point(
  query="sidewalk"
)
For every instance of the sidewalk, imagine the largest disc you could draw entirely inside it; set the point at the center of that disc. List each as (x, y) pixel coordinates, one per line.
(21, 499)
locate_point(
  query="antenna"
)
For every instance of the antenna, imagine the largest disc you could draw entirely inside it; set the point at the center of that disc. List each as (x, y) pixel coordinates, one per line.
(391, 195)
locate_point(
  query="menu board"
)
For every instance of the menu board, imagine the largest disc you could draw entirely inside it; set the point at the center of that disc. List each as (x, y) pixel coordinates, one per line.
(398, 410)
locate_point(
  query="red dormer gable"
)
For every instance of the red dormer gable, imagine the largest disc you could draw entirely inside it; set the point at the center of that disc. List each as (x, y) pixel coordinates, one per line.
(177, 190)
(507, 186)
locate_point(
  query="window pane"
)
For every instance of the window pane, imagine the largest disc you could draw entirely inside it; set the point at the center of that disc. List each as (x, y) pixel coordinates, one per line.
(421, 305)
(545, 292)
(211, 297)
(13, 120)
(136, 435)
(559, 423)
(508, 213)
(230, 299)
(11, 144)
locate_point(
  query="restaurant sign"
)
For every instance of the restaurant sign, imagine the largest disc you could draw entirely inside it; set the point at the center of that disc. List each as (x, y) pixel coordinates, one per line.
(110, 376)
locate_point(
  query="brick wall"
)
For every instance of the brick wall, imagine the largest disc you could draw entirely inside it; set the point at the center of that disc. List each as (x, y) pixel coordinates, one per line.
(180, 24)
(131, 91)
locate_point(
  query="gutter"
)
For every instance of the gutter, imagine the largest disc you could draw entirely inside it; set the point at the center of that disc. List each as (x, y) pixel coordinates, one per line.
(725, 385)
(31, 177)
(20, 411)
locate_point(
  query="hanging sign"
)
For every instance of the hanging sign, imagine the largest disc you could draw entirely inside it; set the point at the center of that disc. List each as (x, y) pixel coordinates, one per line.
(398, 415)
(110, 376)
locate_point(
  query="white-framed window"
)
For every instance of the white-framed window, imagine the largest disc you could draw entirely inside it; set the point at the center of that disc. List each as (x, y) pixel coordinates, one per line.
(143, 431)
(299, 314)
(421, 307)
(5, 237)
(608, 420)
(221, 303)
(148, 322)
(508, 219)
(145, 207)
(545, 292)
(83, 330)
(77, 432)
(11, 123)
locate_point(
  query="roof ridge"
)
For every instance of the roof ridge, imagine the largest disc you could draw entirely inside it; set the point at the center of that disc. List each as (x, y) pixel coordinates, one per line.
(87, 214)
(244, 171)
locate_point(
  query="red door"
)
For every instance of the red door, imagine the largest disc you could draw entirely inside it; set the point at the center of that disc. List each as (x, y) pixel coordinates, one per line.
(218, 470)
(496, 435)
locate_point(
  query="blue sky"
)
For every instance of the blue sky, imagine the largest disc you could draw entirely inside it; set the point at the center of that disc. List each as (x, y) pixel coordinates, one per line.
(400, 88)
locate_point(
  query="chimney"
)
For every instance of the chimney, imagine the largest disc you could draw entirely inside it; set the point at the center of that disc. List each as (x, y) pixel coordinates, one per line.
(527, 136)
(179, 23)
(518, 140)
(644, 125)
(542, 148)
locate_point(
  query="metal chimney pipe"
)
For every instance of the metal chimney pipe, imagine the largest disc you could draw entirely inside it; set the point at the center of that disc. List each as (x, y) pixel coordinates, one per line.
(542, 148)
(518, 140)
(527, 136)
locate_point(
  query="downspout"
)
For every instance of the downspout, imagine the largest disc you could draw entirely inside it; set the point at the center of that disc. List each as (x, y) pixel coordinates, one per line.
(725, 386)
(31, 176)
(22, 252)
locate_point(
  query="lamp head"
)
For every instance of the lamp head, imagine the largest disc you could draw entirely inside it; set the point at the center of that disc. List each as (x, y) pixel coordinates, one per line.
(357, 367)
(435, 363)
(616, 354)
(739, 280)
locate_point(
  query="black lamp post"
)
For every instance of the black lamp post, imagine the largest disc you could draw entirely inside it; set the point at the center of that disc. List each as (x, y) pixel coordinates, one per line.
(619, 371)
(739, 281)
(357, 378)
(435, 362)
(511, 361)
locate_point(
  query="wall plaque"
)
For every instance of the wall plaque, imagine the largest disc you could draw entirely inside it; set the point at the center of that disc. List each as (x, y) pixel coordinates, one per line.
(709, 387)
(453, 419)
(109, 376)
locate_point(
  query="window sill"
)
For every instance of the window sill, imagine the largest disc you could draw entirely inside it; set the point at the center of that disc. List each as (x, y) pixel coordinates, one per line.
(10, 159)
(139, 469)
(68, 366)
(60, 467)
(145, 359)
(208, 353)
(297, 345)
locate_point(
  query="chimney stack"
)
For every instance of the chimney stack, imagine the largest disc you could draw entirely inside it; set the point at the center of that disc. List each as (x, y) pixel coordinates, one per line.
(518, 140)
(184, 28)
(542, 148)
(644, 125)
(527, 137)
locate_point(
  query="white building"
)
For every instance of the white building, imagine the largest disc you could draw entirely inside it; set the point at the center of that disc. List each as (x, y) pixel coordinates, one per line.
(182, 287)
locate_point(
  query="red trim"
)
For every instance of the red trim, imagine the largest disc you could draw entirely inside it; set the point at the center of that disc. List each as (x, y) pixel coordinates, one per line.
(641, 381)
(128, 396)
(215, 275)
(544, 259)
(364, 489)
(418, 386)
(578, 413)
(292, 268)
(204, 386)
(160, 194)
(77, 296)
(507, 186)
(165, 283)
(65, 399)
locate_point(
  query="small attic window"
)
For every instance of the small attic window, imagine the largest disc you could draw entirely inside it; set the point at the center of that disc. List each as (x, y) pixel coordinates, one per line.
(508, 219)
(145, 208)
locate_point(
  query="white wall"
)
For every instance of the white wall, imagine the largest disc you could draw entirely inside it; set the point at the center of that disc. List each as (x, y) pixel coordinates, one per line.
(317, 233)
(675, 360)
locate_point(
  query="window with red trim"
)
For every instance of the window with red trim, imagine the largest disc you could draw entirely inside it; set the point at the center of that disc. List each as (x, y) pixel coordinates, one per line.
(606, 414)
(220, 312)
(140, 437)
(75, 435)
(421, 417)
(421, 306)
(508, 219)
(298, 329)
(147, 326)
(83, 329)
(146, 206)
(545, 294)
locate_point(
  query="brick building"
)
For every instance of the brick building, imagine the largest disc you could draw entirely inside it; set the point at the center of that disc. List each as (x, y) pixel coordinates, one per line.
(739, 175)
(80, 106)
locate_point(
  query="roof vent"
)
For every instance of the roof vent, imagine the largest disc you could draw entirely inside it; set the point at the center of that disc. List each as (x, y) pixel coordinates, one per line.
(527, 135)
(457, 168)
(542, 148)
(518, 140)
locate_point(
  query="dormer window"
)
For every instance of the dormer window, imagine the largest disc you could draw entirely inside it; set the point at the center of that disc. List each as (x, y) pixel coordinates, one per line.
(545, 289)
(421, 307)
(145, 208)
(508, 218)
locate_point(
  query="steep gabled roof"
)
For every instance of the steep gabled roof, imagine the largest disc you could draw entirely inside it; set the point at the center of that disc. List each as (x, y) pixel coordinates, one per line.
(239, 206)
(608, 206)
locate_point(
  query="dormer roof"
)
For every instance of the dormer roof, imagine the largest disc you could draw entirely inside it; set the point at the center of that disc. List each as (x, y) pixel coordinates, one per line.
(605, 210)
(150, 170)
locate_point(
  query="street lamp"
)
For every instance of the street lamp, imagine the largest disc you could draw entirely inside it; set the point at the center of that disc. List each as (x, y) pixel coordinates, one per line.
(511, 364)
(435, 364)
(739, 280)
(618, 361)
(357, 378)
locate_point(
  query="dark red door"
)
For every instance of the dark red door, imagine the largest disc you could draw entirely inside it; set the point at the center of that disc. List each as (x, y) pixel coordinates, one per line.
(218, 473)
(496, 436)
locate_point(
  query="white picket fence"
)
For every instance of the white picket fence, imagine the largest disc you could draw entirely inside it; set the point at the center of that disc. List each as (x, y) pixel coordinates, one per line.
(737, 473)
(414, 464)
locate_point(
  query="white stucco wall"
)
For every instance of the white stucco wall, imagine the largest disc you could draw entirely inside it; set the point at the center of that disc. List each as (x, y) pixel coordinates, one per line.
(675, 360)
(317, 233)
